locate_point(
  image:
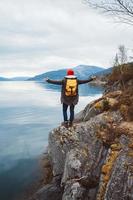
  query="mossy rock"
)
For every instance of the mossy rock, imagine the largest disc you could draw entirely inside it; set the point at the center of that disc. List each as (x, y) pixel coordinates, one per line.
(116, 147)
(130, 153)
(106, 168)
(99, 105)
(130, 145)
(106, 178)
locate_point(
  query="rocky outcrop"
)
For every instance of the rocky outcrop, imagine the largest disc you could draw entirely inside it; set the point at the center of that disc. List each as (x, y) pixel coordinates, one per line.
(93, 160)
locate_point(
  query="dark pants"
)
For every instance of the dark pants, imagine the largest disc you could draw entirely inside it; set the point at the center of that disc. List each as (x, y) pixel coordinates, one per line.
(65, 106)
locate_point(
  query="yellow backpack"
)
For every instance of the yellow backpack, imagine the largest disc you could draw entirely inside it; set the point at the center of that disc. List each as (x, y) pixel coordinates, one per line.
(71, 87)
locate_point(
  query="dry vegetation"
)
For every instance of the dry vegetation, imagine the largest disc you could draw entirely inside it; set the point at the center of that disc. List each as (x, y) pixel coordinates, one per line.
(122, 73)
(122, 78)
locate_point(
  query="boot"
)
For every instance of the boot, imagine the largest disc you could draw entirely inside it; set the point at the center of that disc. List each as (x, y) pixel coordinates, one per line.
(70, 123)
(65, 124)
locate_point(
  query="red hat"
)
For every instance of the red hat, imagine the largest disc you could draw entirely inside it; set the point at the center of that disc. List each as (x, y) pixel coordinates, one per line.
(70, 72)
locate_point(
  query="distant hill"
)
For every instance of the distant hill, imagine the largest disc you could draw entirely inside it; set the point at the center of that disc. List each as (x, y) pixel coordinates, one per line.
(104, 71)
(4, 79)
(21, 78)
(14, 79)
(81, 71)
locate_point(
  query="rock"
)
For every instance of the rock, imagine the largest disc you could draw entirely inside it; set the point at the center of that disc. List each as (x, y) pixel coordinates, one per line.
(125, 128)
(73, 191)
(114, 94)
(79, 117)
(112, 102)
(47, 169)
(98, 82)
(89, 112)
(96, 107)
(106, 103)
(73, 165)
(50, 191)
(115, 186)
(77, 156)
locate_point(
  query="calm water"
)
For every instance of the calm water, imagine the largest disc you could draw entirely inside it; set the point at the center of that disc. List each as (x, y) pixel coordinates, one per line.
(28, 111)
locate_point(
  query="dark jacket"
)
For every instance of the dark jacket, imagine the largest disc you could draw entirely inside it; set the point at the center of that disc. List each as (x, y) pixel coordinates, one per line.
(67, 99)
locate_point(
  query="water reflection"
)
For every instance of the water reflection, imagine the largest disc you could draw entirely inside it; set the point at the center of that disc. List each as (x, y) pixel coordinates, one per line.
(84, 89)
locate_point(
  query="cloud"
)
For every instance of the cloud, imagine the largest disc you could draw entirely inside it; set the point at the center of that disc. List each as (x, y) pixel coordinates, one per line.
(41, 35)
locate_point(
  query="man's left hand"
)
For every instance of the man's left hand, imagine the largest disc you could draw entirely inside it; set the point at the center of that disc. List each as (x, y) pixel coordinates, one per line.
(93, 77)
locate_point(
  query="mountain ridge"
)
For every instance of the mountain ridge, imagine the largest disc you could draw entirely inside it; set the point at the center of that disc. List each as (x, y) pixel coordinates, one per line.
(4, 79)
(81, 71)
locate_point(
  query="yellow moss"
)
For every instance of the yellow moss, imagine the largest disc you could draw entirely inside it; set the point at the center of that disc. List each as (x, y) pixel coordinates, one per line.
(114, 94)
(100, 195)
(130, 145)
(124, 110)
(112, 102)
(84, 152)
(106, 171)
(116, 147)
(98, 105)
(106, 168)
(61, 140)
(130, 153)
(106, 178)
(130, 168)
(113, 155)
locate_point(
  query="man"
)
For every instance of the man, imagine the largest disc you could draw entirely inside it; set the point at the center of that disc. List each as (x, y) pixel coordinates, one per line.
(69, 94)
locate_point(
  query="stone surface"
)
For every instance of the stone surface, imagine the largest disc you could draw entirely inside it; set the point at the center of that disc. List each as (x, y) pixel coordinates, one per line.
(50, 191)
(77, 156)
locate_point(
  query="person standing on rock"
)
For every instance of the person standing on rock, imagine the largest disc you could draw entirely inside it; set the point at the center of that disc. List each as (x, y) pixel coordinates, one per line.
(69, 94)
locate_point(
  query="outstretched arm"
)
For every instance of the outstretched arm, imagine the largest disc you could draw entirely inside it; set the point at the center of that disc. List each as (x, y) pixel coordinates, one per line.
(87, 80)
(59, 82)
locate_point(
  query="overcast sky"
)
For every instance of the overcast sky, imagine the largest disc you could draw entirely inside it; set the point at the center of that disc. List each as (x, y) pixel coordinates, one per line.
(41, 35)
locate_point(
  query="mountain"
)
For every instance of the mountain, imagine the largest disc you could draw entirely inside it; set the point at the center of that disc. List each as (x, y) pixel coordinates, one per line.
(4, 79)
(19, 78)
(104, 71)
(81, 71)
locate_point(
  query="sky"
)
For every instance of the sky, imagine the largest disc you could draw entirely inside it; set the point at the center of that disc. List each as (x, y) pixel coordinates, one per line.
(42, 35)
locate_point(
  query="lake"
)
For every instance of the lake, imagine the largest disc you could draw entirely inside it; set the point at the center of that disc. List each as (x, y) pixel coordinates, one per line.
(28, 111)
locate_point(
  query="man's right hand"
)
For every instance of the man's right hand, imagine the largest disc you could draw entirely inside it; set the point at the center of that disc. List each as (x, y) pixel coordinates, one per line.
(46, 79)
(94, 77)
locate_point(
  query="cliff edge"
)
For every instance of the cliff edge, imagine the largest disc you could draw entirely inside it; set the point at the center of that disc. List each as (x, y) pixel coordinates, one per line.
(93, 160)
